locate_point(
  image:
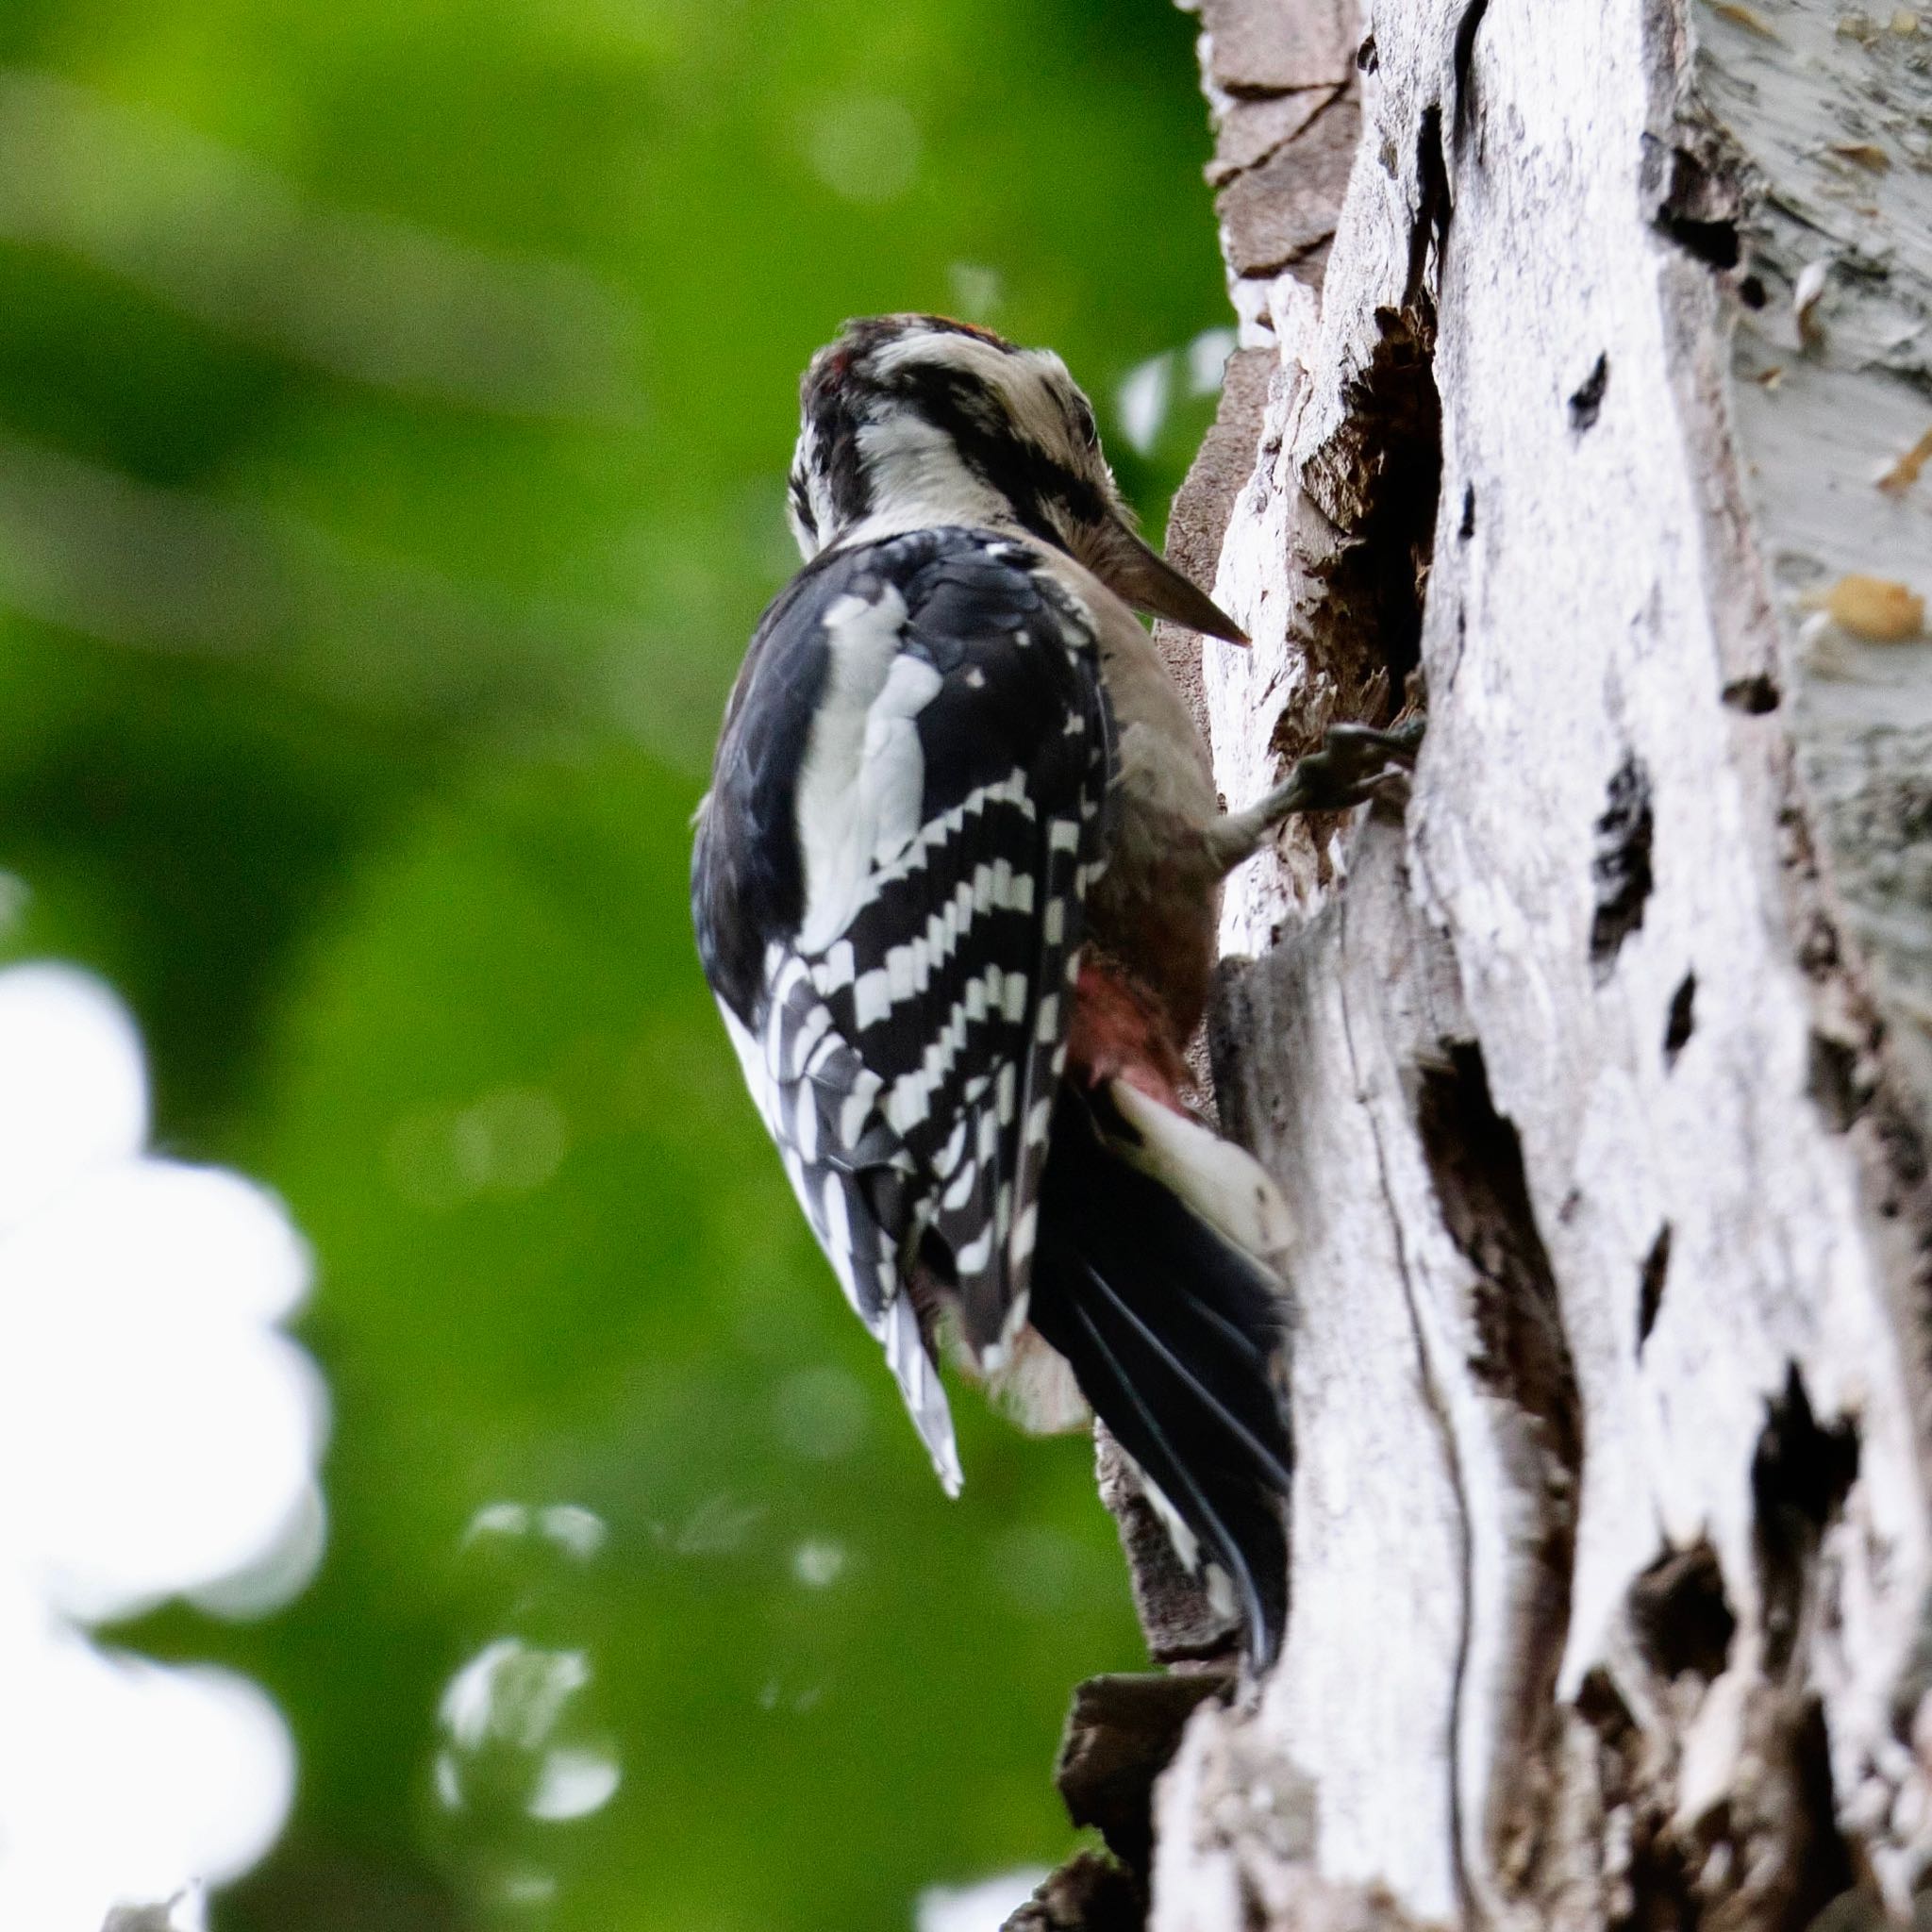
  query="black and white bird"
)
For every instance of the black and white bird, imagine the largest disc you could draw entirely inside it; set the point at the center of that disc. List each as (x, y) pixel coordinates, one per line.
(955, 888)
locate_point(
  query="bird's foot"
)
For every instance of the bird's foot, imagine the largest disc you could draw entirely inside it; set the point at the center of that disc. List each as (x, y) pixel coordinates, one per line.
(1355, 763)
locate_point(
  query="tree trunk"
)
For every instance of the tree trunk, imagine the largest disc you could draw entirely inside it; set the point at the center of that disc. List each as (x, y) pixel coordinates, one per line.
(1578, 335)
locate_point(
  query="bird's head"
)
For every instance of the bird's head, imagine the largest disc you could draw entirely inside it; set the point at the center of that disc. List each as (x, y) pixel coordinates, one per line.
(910, 421)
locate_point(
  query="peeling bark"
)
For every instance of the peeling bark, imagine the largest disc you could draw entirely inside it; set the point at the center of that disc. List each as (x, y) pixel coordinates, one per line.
(1586, 349)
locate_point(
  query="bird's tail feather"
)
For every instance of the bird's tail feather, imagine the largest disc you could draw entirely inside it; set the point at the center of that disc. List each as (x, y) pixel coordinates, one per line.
(1170, 1324)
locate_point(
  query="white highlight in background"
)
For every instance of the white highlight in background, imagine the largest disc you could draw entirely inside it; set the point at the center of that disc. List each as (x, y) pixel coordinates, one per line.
(981, 1908)
(158, 1436)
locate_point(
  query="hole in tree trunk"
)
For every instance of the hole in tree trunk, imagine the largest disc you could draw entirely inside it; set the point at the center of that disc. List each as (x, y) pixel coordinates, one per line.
(1677, 1028)
(1588, 402)
(1680, 1615)
(1622, 865)
(1800, 1475)
(1650, 1285)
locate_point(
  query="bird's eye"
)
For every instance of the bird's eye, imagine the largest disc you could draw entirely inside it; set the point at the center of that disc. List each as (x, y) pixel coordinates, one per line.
(1084, 425)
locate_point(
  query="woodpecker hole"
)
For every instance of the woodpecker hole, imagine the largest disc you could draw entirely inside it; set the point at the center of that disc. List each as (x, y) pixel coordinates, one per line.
(1377, 480)
(1681, 1617)
(1588, 402)
(1678, 1027)
(1650, 1284)
(1466, 529)
(1712, 243)
(1695, 199)
(1621, 867)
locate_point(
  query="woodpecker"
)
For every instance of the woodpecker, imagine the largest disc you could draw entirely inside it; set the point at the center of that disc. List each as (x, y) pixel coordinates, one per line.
(955, 886)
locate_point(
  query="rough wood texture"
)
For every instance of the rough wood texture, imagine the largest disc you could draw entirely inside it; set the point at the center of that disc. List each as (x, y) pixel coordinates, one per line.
(1599, 1081)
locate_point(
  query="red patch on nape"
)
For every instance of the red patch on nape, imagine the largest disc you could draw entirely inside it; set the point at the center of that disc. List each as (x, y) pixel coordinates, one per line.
(1120, 1033)
(970, 328)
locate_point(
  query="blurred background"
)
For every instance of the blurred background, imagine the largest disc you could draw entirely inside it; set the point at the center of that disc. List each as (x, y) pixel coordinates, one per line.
(440, 1487)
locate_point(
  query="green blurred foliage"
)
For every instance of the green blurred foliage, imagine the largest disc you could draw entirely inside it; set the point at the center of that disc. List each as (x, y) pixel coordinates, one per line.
(394, 403)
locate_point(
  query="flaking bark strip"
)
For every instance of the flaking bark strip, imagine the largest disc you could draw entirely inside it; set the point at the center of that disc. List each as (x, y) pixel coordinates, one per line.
(1281, 210)
(1462, 66)
(1089, 1894)
(1120, 1736)
(1476, 1163)
(1250, 130)
(1252, 49)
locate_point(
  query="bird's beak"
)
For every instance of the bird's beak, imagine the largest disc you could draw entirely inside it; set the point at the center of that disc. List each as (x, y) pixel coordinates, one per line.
(1139, 576)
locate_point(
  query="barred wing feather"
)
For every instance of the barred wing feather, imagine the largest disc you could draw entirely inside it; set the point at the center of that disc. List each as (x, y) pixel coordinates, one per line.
(922, 724)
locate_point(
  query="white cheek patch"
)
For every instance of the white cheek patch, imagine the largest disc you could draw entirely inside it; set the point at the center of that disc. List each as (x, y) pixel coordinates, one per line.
(916, 476)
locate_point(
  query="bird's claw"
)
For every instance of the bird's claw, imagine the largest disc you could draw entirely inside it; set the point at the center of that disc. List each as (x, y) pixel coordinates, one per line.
(1355, 763)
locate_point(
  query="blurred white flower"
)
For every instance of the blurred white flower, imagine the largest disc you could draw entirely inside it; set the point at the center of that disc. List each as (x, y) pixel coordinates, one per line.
(514, 1734)
(158, 1436)
(1141, 399)
(863, 146)
(977, 290)
(817, 1563)
(1207, 357)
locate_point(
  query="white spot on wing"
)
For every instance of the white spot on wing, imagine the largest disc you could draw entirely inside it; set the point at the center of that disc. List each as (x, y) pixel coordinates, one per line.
(948, 1158)
(1025, 1232)
(872, 998)
(860, 782)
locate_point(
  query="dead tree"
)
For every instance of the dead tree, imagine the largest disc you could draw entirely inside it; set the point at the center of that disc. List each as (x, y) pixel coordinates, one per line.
(1586, 369)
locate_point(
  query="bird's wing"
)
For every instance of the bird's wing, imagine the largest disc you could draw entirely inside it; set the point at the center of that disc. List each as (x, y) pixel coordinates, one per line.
(906, 815)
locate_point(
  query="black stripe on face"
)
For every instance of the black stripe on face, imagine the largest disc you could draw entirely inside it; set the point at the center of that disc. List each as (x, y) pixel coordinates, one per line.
(832, 399)
(800, 494)
(976, 421)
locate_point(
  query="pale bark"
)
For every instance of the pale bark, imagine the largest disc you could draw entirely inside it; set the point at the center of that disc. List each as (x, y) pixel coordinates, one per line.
(1599, 1079)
